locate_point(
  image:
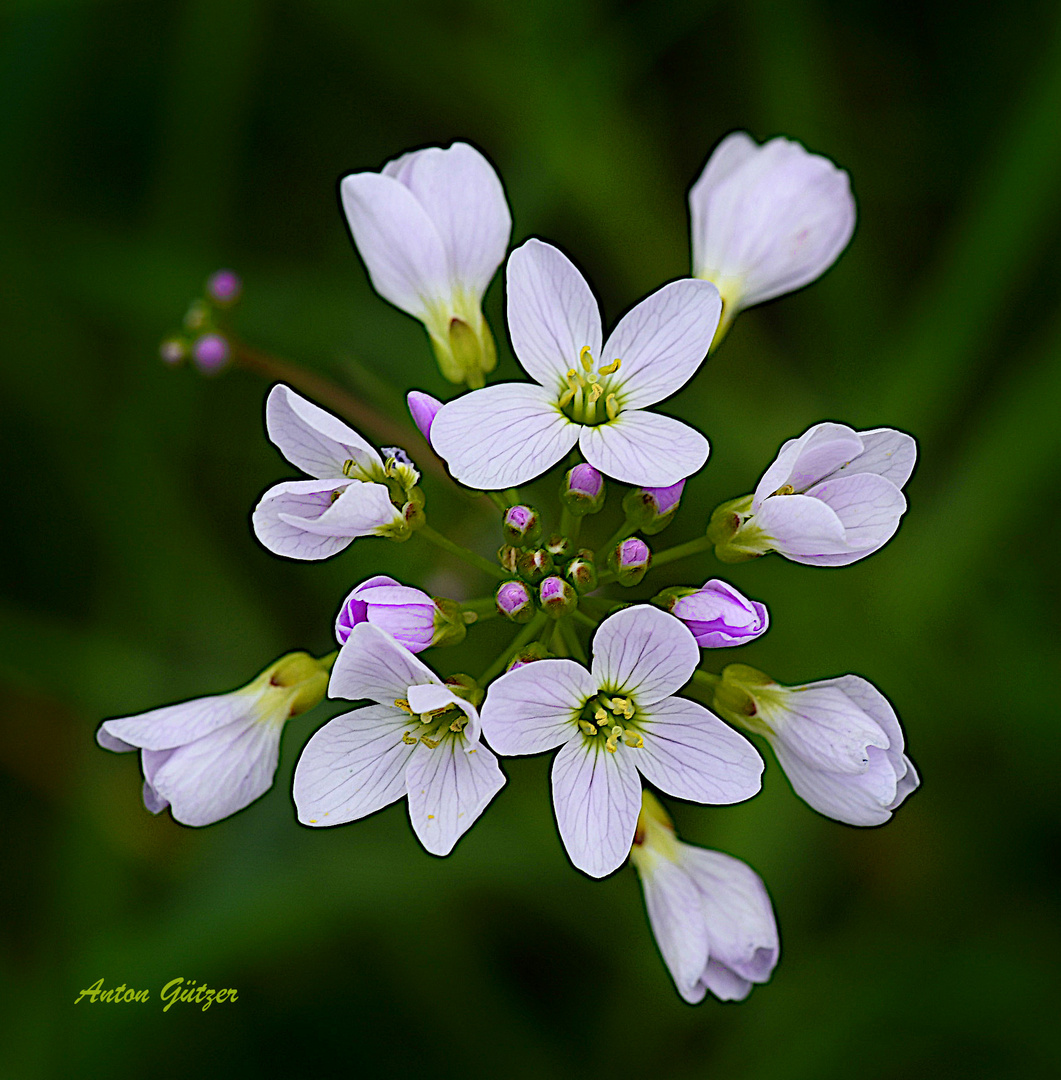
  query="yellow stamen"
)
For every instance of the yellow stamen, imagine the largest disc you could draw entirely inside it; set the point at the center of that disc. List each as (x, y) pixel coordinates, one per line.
(587, 727)
(600, 716)
(595, 392)
(611, 743)
(610, 369)
(788, 489)
(586, 356)
(349, 466)
(633, 739)
(409, 740)
(401, 703)
(429, 743)
(611, 405)
(566, 396)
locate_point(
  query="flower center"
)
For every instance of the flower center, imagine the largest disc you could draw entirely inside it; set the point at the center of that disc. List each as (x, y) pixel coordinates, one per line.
(581, 401)
(434, 726)
(611, 718)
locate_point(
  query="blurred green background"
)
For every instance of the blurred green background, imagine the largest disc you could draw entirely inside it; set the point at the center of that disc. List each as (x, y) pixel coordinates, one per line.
(147, 144)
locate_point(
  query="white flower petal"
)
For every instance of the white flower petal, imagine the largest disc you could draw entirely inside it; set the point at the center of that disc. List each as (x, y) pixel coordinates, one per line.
(449, 787)
(112, 742)
(886, 452)
(534, 707)
(220, 773)
(801, 528)
(662, 341)
(877, 707)
(675, 915)
(868, 506)
(596, 797)
(503, 435)
(908, 783)
(464, 199)
(174, 725)
(313, 440)
(552, 313)
(402, 250)
(353, 765)
(691, 754)
(430, 697)
(819, 452)
(360, 510)
(644, 448)
(373, 665)
(643, 651)
(732, 152)
(283, 505)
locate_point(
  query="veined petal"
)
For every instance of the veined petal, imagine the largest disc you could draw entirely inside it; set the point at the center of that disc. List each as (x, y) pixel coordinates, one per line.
(353, 766)
(315, 441)
(465, 201)
(503, 435)
(283, 505)
(876, 706)
(662, 341)
(552, 314)
(801, 528)
(691, 754)
(855, 798)
(402, 250)
(597, 797)
(886, 452)
(907, 783)
(674, 913)
(732, 152)
(174, 725)
(535, 708)
(645, 652)
(644, 448)
(868, 506)
(818, 452)
(361, 509)
(373, 665)
(449, 787)
(220, 773)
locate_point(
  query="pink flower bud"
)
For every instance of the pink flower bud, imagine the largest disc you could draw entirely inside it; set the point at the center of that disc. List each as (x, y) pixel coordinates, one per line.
(520, 524)
(210, 353)
(631, 559)
(557, 596)
(224, 287)
(407, 614)
(423, 408)
(583, 490)
(514, 601)
(719, 616)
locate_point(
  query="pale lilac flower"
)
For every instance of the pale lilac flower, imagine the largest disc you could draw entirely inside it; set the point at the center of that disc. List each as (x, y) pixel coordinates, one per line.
(710, 913)
(719, 616)
(432, 228)
(209, 757)
(350, 495)
(831, 497)
(615, 720)
(420, 740)
(767, 219)
(583, 393)
(838, 740)
(407, 614)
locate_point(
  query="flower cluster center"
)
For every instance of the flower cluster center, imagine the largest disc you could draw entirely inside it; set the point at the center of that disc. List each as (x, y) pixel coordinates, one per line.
(434, 725)
(585, 389)
(611, 718)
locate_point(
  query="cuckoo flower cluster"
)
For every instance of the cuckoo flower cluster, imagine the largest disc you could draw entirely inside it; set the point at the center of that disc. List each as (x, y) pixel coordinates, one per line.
(620, 681)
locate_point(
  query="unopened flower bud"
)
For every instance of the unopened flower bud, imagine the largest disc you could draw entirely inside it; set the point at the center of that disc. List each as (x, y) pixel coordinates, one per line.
(449, 625)
(423, 408)
(195, 318)
(407, 614)
(582, 572)
(521, 525)
(582, 491)
(464, 686)
(530, 652)
(718, 616)
(534, 565)
(515, 602)
(557, 597)
(732, 531)
(507, 555)
(631, 560)
(653, 509)
(173, 351)
(413, 516)
(210, 353)
(224, 288)
(560, 547)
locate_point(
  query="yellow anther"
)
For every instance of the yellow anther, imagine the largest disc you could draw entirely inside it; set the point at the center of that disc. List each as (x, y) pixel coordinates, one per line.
(610, 369)
(409, 740)
(788, 489)
(401, 703)
(572, 376)
(458, 724)
(349, 467)
(587, 727)
(622, 705)
(611, 406)
(566, 396)
(600, 716)
(612, 742)
(586, 356)
(633, 739)
(429, 743)
(595, 392)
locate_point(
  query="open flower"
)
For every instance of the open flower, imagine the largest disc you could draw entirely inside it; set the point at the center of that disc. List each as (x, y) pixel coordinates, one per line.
(710, 912)
(767, 219)
(831, 497)
(583, 393)
(432, 228)
(838, 740)
(209, 757)
(420, 739)
(354, 492)
(614, 721)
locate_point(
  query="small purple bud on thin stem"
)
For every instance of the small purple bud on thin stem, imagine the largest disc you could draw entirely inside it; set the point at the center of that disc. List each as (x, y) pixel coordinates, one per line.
(582, 490)
(557, 597)
(514, 601)
(631, 558)
(210, 353)
(224, 287)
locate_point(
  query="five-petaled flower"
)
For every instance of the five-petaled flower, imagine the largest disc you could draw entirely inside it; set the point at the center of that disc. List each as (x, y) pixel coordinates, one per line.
(354, 493)
(711, 914)
(419, 739)
(583, 393)
(611, 722)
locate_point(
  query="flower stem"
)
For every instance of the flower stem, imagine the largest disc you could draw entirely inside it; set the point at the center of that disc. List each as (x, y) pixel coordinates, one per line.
(481, 605)
(586, 620)
(571, 638)
(512, 494)
(469, 557)
(680, 551)
(621, 533)
(498, 500)
(703, 686)
(528, 633)
(570, 525)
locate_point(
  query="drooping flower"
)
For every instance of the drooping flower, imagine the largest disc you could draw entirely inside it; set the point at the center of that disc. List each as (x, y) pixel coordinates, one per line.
(718, 615)
(354, 491)
(509, 433)
(420, 739)
(710, 912)
(407, 614)
(209, 757)
(838, 740)
(611, 722)
(432, 228)
(831, 497)
(767, 219)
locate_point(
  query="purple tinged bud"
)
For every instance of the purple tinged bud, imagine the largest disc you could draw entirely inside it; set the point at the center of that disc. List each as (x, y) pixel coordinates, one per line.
(582, 491)
(210, 353)
(534, 565)
(173, 351)
(423, 408)
(653, 509)
(665, 500)
(581, 572)
(224, 287)
(530, 652)
(407, 614)
(719, 617)
(557, 597)
(515, 602)
(631, 559)
(521, 524)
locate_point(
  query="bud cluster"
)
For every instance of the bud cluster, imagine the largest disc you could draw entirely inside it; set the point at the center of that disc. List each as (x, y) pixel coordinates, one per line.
(204, 341)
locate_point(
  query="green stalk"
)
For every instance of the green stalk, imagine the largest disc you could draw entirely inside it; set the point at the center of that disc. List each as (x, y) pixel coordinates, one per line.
(469, 557)
(680, 551)
(527, 634)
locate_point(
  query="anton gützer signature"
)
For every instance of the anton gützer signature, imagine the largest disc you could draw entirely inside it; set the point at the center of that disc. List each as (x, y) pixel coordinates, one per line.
(175, 990)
